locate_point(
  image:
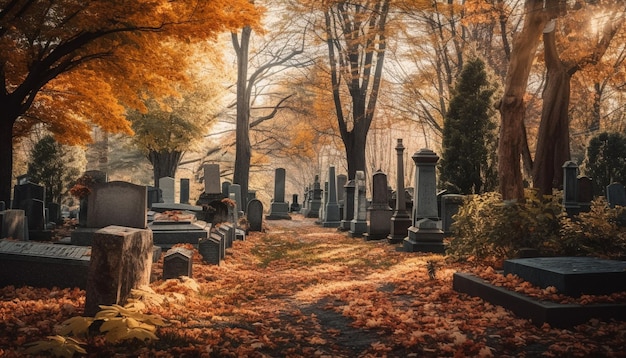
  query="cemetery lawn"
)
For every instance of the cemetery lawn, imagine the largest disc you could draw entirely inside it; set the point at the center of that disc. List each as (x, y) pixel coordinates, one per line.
(300, 290)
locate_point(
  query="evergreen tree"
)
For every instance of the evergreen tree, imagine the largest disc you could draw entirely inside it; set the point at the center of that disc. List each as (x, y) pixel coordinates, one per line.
(467, 165)
(605, 162)
(55, 167)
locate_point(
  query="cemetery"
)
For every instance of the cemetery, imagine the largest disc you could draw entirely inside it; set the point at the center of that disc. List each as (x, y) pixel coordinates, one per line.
(313, 179)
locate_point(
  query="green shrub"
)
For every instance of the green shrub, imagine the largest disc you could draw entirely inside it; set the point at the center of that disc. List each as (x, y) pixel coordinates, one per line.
(486, 227)
(599, 232)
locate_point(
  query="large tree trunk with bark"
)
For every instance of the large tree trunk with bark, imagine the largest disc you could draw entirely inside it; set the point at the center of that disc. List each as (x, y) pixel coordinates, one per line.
(243, 151)
(553, 138)
(164, 164)
(512, 107)
(6, 159)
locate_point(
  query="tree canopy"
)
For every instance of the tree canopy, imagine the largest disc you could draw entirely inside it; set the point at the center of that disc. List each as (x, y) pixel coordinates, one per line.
(68, 64)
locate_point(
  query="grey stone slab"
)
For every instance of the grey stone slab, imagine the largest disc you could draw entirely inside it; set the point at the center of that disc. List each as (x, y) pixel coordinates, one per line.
(184, 191)
(212, 179)
(573, 276)
(43, 264)
(117, 203)
(616, 194)
(168, 187)
(166, 235)
(210, 249)
(539, 312)
(255, 215)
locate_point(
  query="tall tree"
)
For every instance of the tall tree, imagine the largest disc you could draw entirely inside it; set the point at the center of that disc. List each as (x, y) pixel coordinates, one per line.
(512, 105)
(356, 40)
(464, 162)
(553, 147)
(71, 64)
(279, 53)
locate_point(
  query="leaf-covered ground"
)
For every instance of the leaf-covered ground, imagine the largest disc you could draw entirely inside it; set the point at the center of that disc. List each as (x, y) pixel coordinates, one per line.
(300, 290)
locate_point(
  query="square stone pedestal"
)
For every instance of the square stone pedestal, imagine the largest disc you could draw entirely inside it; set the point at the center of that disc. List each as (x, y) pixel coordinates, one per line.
(426, 237)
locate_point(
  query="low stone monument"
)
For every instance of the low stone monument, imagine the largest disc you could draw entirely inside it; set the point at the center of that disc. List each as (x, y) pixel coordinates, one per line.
(177, 262)
(121, 259)
(379, 212)
(255, 215)
(279, 209)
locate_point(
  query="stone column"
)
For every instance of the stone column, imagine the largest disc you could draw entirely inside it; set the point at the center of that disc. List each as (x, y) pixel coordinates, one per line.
(348, 206)
(400, 220)
(279, 209)
(425, 234)
(332, 218)
(570, 188)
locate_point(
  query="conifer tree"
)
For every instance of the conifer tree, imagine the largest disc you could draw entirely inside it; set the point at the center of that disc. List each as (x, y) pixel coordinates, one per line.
(465, 166)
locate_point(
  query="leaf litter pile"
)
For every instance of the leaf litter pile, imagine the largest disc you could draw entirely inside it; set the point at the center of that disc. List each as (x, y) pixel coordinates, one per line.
(301, 290)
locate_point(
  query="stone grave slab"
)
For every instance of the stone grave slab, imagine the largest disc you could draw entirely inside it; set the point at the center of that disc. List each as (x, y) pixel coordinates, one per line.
(539, 312)
(163, 207)
(177, 262)
(573, 276)
(43, 264)
(169, 233)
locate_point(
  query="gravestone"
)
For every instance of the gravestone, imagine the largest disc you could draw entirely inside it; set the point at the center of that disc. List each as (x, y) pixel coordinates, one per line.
(12, 224)
(450, 204)
(238, 198)
(184, 191)
(322, 213)
(210, 249)
(95, 177)
(585, 193)
(279, 209)
(255, 215)
(24, 193)
(295, 206)
(358, 225)
(304, 200)
(117, 203)
(616, 195)
(348, 205)
(35, 211)
(121, 260)
(424, 235)
(154, 195)
(570, 188)
(342, 179)
(400, 219)
(225, 189)
(212, 179)
(43, 264)
(54, 213)
(168, 188)
(315, 203)
(177, 262)
(331, 213)
(379, 212)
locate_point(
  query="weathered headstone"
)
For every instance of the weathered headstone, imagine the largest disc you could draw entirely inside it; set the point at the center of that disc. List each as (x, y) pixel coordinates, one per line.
(54, 213)
(225, 189)
(315, 202)
(177, 262)
(212, 179)
(379, 211)
(322, 212)
(585, 193)
(616, 195)
(168, 188)
(43, 264)
(121, 259)
(236, 190)
(184, 191)
(348, 205)
(154, 196)
(279, 209)
(450, 204)
(358, 225)
(570, 188)
(295, 206)
(210, 249)
(95, 177)
(117, 203)
(255, 215)
(400, 219)
(24, 193)
(332, 215)
(424, 235)
(35, 211)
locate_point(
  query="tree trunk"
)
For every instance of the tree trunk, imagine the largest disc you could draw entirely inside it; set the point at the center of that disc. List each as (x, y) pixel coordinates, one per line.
(6, 159)
(553, 137)
(512, 107)
(243, 151)
(164, 164)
